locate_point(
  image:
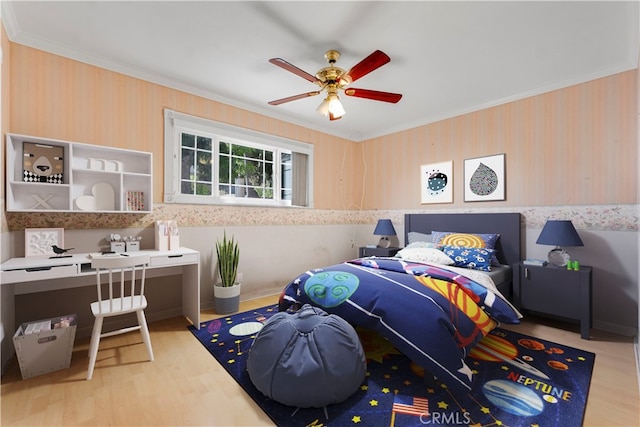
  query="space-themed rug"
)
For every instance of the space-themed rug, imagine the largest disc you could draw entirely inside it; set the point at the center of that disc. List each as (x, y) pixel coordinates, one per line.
(519, 381)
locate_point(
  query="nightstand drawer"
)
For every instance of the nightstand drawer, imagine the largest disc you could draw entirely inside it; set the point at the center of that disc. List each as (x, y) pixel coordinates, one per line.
(384, 252)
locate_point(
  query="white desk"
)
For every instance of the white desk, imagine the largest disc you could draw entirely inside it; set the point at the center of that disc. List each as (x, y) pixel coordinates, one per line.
(39, 274)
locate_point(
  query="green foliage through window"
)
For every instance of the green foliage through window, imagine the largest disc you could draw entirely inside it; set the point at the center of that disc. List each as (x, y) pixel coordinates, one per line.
(213, 163)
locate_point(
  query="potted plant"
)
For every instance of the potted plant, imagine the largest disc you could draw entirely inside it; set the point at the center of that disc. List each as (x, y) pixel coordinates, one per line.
(227, 292)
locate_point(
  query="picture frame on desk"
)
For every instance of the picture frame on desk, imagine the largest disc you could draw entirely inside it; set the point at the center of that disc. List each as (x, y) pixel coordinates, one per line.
(39, 241)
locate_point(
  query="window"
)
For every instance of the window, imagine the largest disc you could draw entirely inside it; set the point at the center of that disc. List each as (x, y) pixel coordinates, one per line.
(214, 163)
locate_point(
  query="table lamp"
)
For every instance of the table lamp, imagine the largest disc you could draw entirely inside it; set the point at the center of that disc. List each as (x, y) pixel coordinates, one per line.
(559, 233)
(385, 229)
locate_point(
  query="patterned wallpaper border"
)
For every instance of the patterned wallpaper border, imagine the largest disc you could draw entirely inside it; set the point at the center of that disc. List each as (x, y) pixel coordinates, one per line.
(591, 217)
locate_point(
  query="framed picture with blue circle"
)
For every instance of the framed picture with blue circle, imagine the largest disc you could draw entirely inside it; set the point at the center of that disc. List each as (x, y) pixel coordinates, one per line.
(436, 182)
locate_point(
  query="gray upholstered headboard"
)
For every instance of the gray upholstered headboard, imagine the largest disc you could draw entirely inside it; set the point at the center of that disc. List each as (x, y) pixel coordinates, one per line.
(506, 224)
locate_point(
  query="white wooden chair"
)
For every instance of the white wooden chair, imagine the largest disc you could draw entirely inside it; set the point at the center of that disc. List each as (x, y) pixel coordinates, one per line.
(117, 300)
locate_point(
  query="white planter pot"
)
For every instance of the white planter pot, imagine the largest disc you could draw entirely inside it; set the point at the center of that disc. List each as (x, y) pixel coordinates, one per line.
(226, 299)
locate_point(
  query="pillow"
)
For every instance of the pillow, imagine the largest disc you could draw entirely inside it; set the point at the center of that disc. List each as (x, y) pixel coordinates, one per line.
(429, 255)
(421, 245)
(414, 236)
(474, 258)
(468, 240)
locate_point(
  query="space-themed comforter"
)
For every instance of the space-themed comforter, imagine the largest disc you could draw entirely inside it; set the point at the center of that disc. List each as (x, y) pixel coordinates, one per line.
(431, 314)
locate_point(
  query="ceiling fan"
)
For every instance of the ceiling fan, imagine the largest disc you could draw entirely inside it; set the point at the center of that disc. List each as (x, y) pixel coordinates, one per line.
(332, 79)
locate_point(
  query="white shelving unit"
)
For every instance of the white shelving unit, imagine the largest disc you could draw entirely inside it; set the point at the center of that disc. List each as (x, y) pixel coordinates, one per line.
(94, 179)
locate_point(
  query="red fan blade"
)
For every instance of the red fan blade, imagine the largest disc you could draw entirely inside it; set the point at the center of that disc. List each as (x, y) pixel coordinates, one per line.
(373, 94)
(295, 70)
(294, 98)
(376, 60)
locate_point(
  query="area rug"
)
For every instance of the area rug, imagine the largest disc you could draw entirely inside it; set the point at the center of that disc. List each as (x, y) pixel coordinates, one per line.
(519, 381)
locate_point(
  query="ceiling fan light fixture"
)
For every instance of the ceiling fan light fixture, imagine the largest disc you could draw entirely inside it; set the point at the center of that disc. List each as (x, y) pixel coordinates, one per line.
(331, 106)
(323, 108)
(336, 108)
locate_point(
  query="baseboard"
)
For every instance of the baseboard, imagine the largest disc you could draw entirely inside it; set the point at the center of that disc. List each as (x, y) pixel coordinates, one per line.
(615, 328)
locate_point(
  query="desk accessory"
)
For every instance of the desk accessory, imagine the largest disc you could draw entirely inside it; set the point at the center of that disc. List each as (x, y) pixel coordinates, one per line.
(532, 261)
(60, 252)
(39, 241)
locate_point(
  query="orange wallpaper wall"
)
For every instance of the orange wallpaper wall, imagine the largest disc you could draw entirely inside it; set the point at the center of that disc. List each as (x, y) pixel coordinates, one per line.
(54, 97)
(5, 79)
(573, 146)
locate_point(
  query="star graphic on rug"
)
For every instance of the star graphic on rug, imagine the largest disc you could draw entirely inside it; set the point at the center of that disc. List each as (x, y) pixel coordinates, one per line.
(485, 410)
(364, 387)
(355, 419)
(373, 402)
(385, 390)
(465, 370)
(443, 405)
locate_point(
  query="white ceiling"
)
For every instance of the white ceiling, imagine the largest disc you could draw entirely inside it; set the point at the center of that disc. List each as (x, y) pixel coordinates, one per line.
(447, 58)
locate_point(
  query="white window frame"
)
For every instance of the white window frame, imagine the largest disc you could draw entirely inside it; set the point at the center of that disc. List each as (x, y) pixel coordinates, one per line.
(176, 122)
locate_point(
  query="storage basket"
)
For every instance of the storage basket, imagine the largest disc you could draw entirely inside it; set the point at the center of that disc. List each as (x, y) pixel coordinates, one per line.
(46, 345)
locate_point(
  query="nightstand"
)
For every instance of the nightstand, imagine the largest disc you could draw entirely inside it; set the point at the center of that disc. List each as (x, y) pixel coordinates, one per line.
(554, 291)
(388, 252)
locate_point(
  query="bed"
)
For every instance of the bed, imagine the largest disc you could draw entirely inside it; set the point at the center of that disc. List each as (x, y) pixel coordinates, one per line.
(508, 246)
(432, 311)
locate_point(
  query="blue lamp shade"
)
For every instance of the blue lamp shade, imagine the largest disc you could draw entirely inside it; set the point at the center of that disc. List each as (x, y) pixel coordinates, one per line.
(385, 229)
(559, 233)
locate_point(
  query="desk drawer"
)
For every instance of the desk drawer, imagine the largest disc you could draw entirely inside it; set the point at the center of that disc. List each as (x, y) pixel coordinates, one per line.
(177, 259)
(39, 273)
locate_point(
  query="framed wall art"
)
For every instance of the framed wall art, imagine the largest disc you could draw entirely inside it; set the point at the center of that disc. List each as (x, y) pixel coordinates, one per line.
(43, 163)
(39, 241)
(484, 179)
(436, 183)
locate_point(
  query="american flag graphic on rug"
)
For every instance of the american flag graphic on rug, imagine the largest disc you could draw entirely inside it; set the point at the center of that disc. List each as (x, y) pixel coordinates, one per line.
(411, 405)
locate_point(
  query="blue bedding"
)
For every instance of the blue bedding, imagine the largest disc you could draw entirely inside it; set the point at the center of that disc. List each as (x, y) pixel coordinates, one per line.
(431, 314)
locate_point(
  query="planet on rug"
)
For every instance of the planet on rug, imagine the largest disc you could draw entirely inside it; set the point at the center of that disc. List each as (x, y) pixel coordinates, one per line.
(519, 381)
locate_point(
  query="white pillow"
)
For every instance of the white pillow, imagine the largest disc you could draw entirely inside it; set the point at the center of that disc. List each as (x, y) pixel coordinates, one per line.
(414, 236)
(421, 245)
(430, 255)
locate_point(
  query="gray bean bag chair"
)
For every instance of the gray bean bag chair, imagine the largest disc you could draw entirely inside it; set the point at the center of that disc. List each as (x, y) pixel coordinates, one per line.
(307, 359)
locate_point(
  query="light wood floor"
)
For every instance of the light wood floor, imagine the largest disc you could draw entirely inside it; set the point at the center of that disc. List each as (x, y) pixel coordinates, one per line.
(186, 386)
